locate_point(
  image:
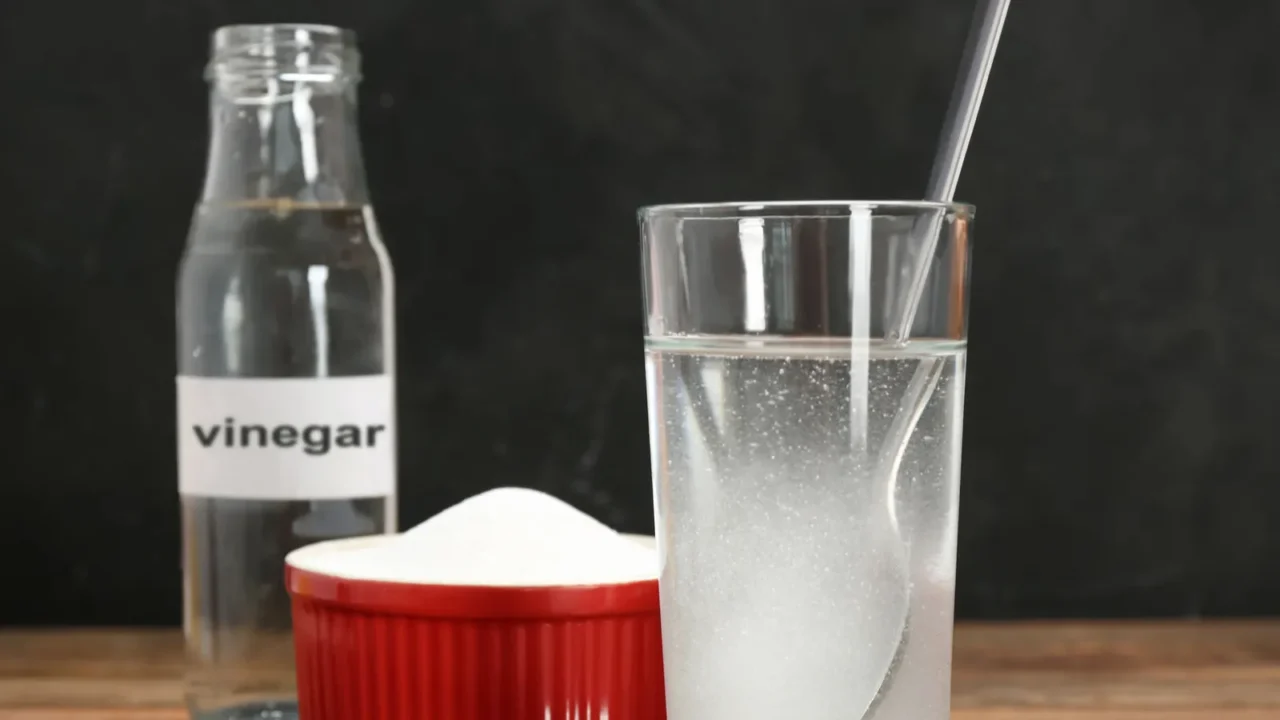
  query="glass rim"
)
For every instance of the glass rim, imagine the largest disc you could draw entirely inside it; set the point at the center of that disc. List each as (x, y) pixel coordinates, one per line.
(797, 209)
(279, 31)
(317, 54)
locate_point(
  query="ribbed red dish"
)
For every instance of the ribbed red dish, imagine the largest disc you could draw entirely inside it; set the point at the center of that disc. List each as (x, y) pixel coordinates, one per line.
(397, 651)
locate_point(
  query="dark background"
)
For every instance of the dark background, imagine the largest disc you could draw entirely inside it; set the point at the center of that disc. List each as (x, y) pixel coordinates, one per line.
(1123, 396)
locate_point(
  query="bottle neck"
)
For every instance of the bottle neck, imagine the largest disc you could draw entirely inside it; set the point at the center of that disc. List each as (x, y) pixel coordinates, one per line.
(286, 138)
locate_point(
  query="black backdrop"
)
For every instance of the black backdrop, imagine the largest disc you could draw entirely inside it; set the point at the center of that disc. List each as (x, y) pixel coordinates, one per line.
(1123, 389)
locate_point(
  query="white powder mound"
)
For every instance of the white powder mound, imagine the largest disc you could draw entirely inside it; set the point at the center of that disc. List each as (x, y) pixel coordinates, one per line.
(503, 537)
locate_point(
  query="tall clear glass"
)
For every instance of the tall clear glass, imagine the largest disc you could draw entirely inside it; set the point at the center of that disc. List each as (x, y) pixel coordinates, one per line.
(805, 469)
(285, 356)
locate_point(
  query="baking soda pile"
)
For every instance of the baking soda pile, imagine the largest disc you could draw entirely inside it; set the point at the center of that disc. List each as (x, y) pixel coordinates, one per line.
(503, 537)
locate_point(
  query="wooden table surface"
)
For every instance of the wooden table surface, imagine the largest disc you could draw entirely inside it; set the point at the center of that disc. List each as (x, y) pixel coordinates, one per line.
(1003, 671)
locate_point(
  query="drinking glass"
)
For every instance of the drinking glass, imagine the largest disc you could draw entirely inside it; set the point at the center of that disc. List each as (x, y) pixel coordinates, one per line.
(805, 467)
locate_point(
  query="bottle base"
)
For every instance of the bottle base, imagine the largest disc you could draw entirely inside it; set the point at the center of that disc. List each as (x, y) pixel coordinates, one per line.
(272, 710)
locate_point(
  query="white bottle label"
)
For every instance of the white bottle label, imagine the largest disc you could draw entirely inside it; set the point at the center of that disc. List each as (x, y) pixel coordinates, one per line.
(286, 438)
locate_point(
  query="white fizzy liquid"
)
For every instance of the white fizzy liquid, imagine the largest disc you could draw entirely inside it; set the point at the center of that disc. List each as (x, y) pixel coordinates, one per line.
(797, 581)
(513, 537)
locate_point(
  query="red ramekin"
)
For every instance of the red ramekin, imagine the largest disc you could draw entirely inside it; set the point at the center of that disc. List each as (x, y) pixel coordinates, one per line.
(399, 651)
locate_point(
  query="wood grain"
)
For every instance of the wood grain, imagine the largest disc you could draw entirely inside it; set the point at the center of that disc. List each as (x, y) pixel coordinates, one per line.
(1003, 671)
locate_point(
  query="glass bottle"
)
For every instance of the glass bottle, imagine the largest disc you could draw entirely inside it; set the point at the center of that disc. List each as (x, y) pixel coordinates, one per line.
(285, 356)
